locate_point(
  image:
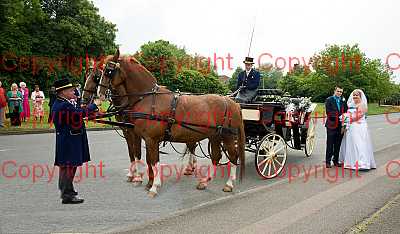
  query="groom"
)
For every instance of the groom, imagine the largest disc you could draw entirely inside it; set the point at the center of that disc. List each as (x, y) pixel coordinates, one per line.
(335, 106)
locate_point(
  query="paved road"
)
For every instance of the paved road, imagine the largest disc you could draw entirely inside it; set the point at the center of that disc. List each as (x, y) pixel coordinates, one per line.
(386, 220)
(113, 205)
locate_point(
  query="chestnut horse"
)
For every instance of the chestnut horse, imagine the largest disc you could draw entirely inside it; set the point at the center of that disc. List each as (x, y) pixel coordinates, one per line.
(135, 172)
(154, 110)
(133, 141)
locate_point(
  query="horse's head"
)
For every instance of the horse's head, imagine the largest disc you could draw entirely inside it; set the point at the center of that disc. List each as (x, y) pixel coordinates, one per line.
(110, 75)
(125, 71)
(92, 81)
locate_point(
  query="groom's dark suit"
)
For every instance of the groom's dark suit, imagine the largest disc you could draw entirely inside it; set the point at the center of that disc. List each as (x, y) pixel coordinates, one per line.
(333, 127)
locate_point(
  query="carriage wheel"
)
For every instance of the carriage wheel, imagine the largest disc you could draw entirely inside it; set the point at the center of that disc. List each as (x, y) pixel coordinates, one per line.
(271, 156)
(310, 140)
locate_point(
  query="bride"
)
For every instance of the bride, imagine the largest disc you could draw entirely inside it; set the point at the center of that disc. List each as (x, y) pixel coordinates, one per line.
(356, 150)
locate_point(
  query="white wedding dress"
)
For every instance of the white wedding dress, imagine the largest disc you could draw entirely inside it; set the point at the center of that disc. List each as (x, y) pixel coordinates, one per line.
(356, 150)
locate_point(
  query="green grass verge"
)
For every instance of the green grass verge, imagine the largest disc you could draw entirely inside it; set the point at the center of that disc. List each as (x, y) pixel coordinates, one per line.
(32, 125)
(373, 109)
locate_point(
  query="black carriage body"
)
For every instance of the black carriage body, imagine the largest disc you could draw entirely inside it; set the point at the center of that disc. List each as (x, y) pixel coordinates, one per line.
(270, 129)
(273, 118)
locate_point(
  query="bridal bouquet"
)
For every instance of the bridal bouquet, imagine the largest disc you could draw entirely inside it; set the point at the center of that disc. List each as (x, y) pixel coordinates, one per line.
(345, 120)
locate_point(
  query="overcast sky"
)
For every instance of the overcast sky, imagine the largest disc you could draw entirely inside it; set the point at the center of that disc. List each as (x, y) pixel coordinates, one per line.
(282, 28)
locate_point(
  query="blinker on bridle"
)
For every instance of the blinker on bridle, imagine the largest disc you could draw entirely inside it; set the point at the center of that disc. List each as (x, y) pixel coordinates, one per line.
(110, 69)
(95, 75)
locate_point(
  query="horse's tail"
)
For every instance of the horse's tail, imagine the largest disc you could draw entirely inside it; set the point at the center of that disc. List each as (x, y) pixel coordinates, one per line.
(241, 147)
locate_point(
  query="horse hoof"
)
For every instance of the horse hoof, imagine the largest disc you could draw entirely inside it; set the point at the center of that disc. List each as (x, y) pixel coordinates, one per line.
(129, 179)
(188, 173)
(137, 179)
(188, 170)
(152, 194)
(148, 187)
(227, 189)
(201, 186)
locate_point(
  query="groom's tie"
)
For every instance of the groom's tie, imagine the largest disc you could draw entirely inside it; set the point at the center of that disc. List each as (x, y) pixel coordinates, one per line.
(337, 99)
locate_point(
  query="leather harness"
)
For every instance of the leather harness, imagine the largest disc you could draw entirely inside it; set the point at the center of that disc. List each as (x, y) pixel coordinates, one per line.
(171, 118)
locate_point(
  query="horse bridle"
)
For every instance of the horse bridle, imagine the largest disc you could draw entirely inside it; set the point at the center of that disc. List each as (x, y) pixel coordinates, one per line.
(96, 79)
(109, 71)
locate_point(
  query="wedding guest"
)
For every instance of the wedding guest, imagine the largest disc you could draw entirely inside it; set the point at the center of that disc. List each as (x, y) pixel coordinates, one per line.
(78, 94)
(26, 109)
(38, 100)
(52, 98)
(3, 104)
(14, 99)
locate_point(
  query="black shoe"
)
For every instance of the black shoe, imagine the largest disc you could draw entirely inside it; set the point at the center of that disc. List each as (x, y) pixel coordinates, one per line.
(74, 193)
(328, 165)
(337, 164)
(72, 200)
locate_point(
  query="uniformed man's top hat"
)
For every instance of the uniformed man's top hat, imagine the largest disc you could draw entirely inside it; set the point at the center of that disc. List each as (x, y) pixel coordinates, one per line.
(62, 84)
(248, 60)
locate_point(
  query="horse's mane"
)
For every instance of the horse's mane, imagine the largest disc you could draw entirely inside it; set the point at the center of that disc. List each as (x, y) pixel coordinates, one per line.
(131, 62)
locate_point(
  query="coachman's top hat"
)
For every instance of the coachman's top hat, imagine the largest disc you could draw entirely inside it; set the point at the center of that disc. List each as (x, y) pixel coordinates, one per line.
(248, 60)
(62, 84)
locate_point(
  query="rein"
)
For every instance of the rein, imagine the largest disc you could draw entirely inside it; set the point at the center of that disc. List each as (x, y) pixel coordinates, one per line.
(109, 72)
(141, 94)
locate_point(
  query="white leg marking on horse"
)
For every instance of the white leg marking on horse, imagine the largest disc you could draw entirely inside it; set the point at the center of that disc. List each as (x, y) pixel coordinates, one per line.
(157, 178)
(192, 159)
(138, 172)
(129, 174)
(232, 176)
(213, 173)
(131, 169)
(191, 166)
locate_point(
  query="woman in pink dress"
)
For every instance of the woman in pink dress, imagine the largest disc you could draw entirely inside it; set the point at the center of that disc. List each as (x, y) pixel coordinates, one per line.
(38, 99)
(26, 109)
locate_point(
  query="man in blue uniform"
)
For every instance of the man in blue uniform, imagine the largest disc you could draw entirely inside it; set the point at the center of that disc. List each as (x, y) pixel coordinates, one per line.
(248, 82)
(72, 149)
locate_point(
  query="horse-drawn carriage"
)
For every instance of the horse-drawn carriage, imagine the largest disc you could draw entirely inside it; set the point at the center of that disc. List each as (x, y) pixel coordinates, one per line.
(266, 126)
(274, 121)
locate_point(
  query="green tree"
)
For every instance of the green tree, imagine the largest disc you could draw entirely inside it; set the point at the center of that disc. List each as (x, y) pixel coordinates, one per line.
(349, 67)
(232, 84)
(342, 65)
(38, 33)
(270, 76)
(177, 70)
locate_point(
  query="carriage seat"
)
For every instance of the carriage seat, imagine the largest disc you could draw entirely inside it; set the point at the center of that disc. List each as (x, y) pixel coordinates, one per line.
(266, 95)
(263, 92)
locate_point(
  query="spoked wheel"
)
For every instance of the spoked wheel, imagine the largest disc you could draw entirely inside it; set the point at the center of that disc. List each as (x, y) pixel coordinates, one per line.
(310, 140)
(271, 156)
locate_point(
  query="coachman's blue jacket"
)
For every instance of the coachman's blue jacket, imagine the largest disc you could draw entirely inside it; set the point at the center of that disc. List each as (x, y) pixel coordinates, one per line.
(251, 82)
(72, 147)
